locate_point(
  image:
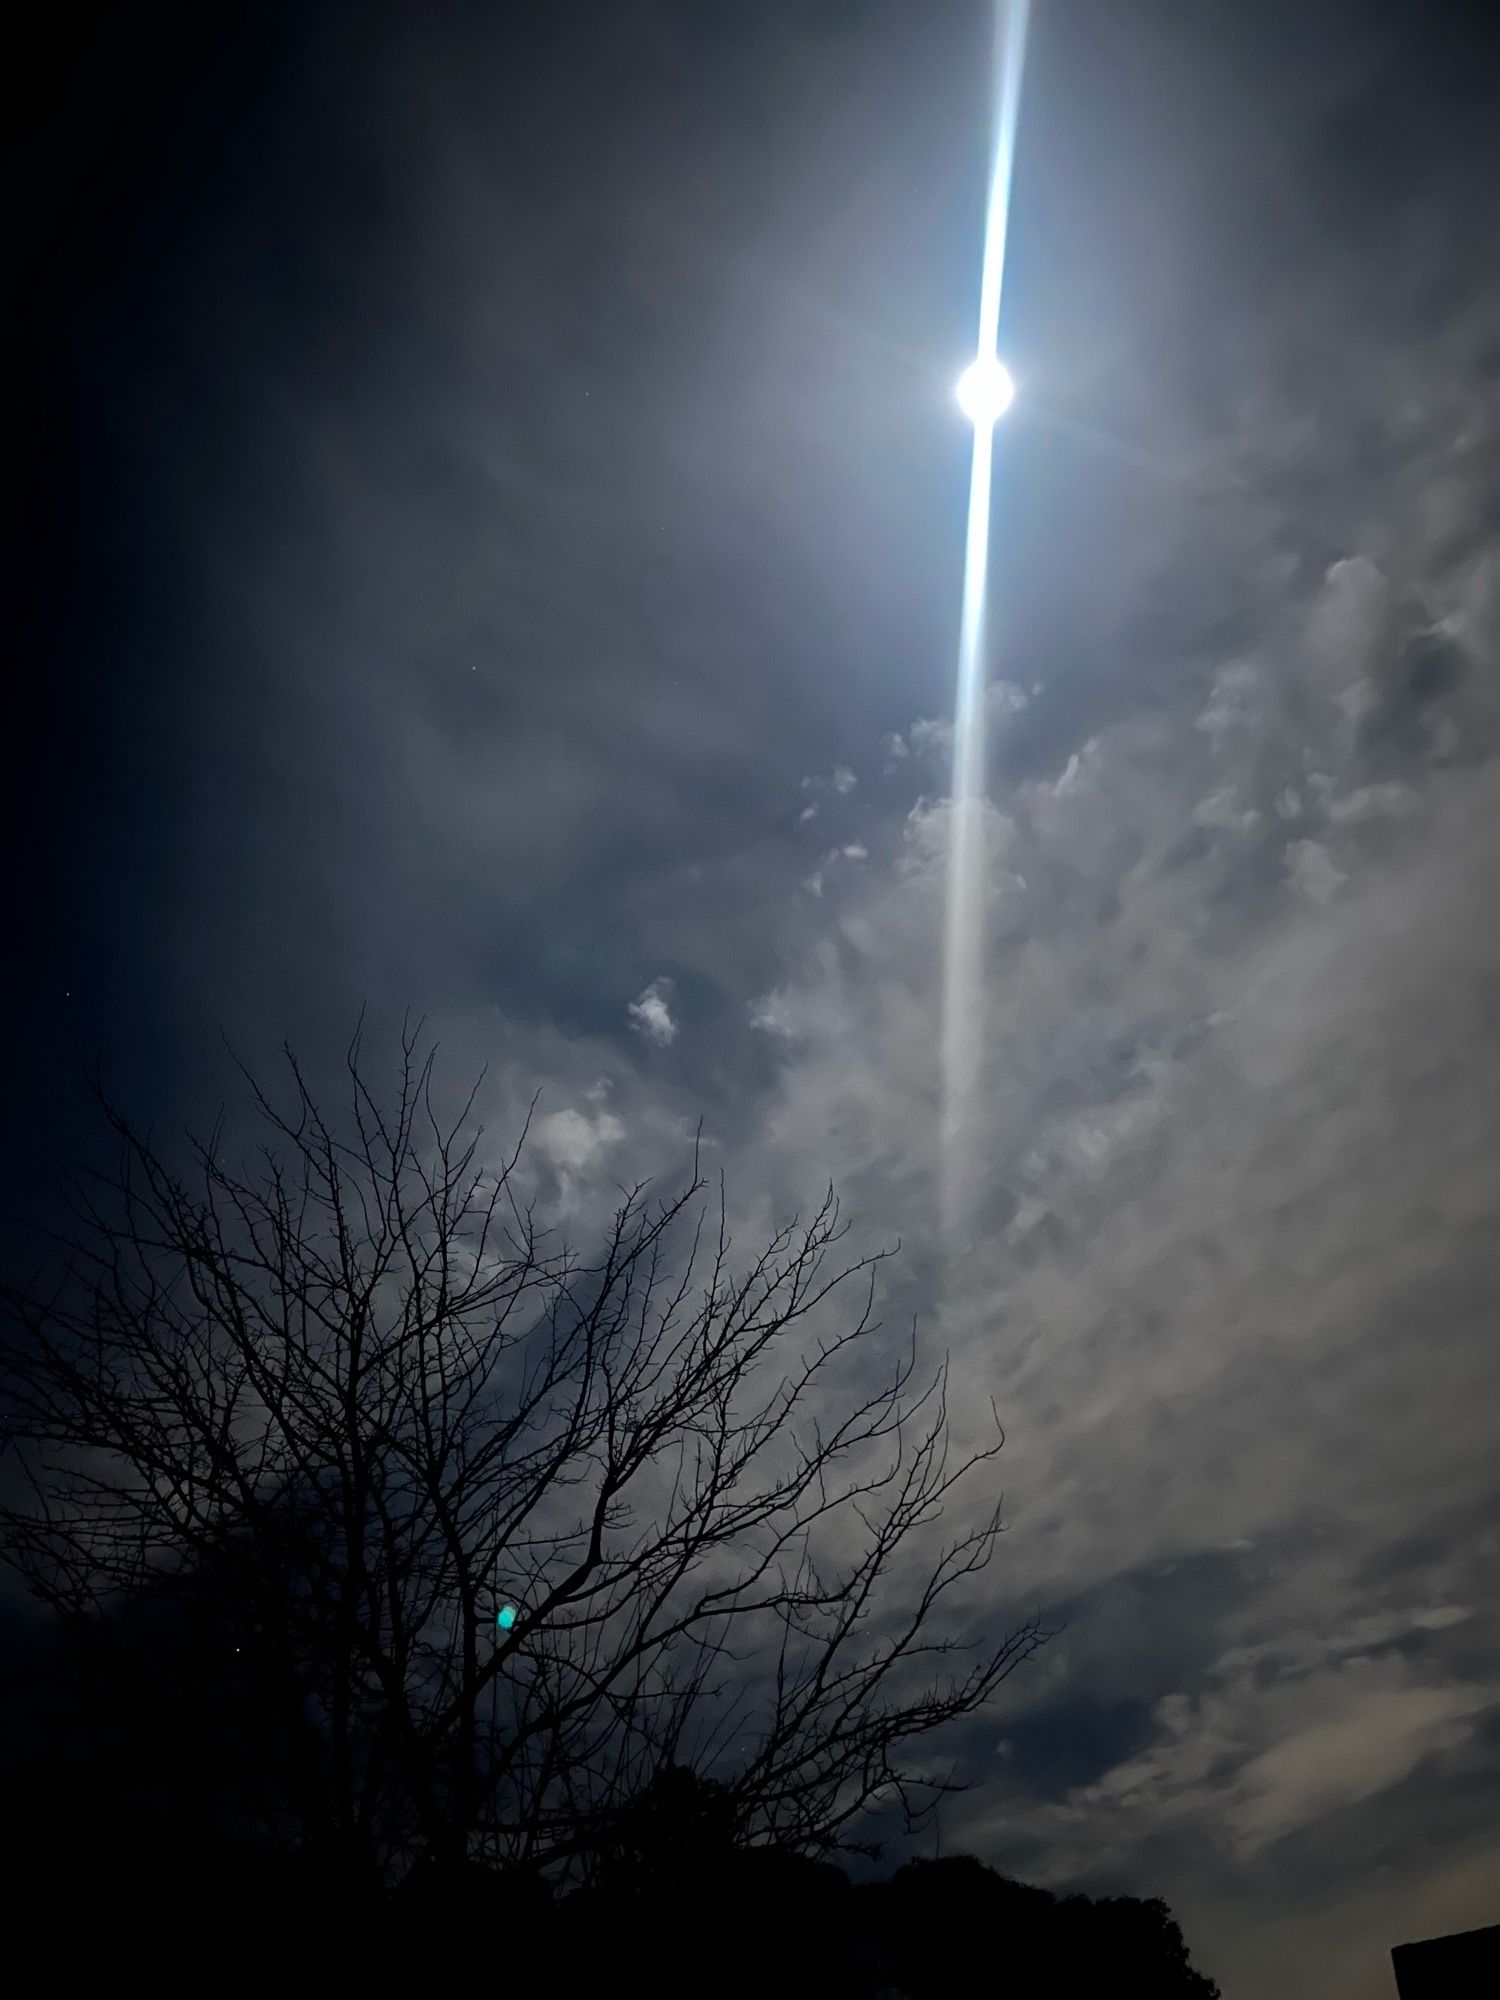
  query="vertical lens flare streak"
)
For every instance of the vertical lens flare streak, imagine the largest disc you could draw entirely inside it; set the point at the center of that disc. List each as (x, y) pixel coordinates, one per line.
(963, 955)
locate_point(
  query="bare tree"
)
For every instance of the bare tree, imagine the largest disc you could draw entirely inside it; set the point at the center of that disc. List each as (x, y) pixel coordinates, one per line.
(526, 1527)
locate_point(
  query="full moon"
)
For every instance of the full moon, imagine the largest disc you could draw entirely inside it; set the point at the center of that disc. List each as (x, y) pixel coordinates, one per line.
(985, 390)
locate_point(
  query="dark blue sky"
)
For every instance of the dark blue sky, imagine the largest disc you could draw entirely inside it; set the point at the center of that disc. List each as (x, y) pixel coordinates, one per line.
(491, 516)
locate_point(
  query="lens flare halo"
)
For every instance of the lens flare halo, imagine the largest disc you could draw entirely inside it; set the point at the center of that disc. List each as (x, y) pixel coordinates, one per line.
(985, 390)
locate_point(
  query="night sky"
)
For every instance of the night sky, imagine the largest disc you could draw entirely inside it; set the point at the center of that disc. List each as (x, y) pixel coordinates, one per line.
(492, 513)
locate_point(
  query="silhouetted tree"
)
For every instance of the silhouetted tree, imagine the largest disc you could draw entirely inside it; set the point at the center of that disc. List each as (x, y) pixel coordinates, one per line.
(672, 1893)
(682, 1907)
(355, 1402)
(955, 1927)
(679, 1824)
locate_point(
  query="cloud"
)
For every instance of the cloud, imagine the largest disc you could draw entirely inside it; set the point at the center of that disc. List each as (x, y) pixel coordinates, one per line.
(651, 1014)
(792, 1014)
(1259, 1757)
(1250, 1760)
(853, 850)
(575, 1140)
(1372, 1737)
(930, 739)
(1231, 1285)
(1313, 872)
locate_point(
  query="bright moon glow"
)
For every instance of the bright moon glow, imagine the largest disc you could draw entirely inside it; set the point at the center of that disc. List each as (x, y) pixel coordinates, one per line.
(985, 390)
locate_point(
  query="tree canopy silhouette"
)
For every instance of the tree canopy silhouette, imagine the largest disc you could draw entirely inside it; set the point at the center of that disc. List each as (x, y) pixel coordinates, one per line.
(507, 1527)
(948, 1929)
